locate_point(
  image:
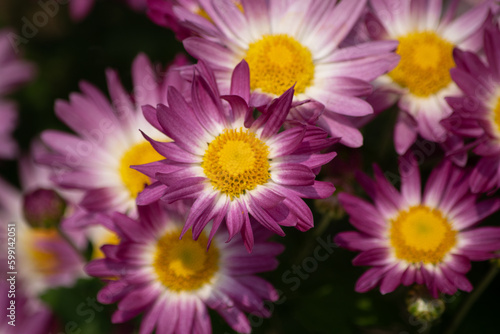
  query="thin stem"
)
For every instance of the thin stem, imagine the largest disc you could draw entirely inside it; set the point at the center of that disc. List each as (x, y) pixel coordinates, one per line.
(471, 299)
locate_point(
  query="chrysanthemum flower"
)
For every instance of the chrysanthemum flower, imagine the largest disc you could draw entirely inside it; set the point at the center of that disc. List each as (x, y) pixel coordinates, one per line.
(173, 281)
(45, 259)
(421, 80)
(96, 160)
(477, 113)
(233, 166)
(295, 42)
(408, 238)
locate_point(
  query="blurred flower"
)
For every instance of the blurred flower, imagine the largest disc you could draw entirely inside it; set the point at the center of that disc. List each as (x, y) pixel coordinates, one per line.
(30, 315)
(172, 280)
(13, 73)
(408, 238)
(295, 42)
(96, 160)
(477, 113)
(234, 166)
(421, 80)
(46, 258)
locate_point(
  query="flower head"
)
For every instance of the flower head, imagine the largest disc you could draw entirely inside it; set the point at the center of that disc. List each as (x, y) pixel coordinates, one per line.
(408, 238)
(477, 113)
(427, 36)
(96, 160)
(46, 257)
(173, 281)
(295, 42)
(237, 169)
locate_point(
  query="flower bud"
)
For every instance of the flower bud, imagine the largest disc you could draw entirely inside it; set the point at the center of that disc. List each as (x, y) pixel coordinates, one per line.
(43, 208)
(421, 304)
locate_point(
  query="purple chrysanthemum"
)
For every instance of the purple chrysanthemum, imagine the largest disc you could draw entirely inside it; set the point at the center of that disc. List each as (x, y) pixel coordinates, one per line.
(293, 42)
(235, 167)
(96, 160)
(477, 113)
(421, 81)
(408, 238)
(46, 258)
(173, 281)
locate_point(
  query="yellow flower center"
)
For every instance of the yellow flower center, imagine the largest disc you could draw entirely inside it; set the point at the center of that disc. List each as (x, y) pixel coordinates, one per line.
(236, 161)
(421, 234)
(277, 62)
(138, 154)
(426, 60)
(45, 261)
(186, 264)
(496, 116)
(108, 238)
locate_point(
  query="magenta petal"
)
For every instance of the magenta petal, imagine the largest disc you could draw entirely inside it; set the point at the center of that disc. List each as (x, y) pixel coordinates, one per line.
(138, 299)
(392, 279)
(405, 132)
(373, 257)
(289, 174)
(319, 190)
(151, 317)
(240, 81)
(187, 310)
(273, 119)
(151, 193)
(370, 279)
(182, 189)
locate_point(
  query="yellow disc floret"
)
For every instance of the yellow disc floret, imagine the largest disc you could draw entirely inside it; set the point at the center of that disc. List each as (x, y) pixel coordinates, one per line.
(426, 60)
(236, 161)
(186, 264)
(138, 154)
(277, 62)
(421, 234)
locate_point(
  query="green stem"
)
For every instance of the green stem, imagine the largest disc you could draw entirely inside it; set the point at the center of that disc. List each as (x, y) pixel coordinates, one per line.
(471, 299)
